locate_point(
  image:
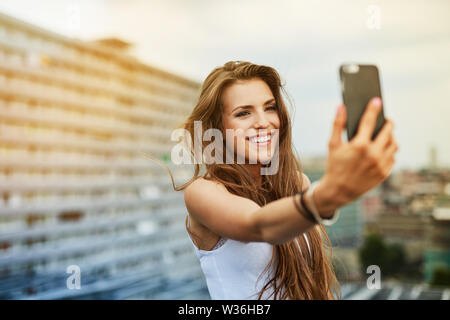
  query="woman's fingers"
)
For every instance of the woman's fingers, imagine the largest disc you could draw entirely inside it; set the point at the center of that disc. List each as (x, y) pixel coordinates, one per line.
(368, 120)
(392, 148)
(384, 137)
(388, 157)
(338, 125)
(361, 164)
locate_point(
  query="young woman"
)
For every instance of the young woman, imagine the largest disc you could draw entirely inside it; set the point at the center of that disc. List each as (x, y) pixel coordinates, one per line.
(256, 234)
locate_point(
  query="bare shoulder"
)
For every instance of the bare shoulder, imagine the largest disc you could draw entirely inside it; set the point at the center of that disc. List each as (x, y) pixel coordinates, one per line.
(212, 206)
(198, 192)
(200, 185)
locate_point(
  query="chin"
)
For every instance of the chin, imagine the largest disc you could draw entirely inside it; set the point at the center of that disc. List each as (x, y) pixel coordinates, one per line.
(263, 155)
(259, 159)
(264, 160)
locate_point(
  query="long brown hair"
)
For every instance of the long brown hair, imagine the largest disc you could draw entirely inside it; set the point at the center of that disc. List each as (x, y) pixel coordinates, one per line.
(296, 275)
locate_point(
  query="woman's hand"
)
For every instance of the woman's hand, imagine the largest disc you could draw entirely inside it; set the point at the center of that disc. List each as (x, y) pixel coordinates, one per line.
(355, 167)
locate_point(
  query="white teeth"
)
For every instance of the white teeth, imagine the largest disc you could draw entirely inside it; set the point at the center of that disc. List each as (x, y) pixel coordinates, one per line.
(259, 140)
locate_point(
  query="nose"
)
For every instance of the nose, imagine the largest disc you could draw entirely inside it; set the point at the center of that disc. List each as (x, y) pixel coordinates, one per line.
(261, 120)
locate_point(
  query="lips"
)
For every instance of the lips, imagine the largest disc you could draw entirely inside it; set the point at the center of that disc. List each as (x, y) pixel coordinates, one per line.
(261, 139)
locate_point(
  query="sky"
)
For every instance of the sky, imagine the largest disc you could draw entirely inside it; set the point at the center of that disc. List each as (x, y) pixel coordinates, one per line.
(305, 41)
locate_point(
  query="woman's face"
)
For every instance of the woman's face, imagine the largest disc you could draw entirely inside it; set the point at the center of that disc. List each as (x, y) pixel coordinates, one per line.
(250, 110)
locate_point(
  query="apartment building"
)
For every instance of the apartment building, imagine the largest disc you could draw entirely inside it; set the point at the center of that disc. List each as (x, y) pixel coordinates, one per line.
(77, 121)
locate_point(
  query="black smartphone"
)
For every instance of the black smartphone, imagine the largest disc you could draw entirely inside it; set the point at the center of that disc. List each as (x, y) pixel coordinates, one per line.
(359, 84)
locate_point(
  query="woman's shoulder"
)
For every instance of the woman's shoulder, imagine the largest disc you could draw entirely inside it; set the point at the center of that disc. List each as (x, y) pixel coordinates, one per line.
(194, 194)
(200, 183)
(203, 187)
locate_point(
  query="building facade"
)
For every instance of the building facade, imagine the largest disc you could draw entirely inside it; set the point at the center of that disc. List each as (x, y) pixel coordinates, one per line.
(79, 195)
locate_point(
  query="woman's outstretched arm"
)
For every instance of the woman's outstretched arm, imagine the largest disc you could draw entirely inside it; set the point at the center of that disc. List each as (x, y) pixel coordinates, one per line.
(353, 168)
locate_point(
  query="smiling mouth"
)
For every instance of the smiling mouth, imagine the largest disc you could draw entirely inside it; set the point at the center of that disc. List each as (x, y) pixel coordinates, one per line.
(261, 140)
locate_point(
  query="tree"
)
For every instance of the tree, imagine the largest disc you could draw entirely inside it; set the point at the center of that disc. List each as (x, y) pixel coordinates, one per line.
(441, 276)
(396, 258)
(389, 257)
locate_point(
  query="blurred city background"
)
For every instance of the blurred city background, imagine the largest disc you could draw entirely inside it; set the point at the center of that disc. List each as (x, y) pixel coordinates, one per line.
(89, 89)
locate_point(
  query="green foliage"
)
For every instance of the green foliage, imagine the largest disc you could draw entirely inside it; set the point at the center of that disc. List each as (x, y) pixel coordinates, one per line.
(390, 258)
(396, 257)
(441, 276)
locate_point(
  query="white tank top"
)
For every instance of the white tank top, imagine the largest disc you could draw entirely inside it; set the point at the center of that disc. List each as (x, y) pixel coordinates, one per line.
(234, 270)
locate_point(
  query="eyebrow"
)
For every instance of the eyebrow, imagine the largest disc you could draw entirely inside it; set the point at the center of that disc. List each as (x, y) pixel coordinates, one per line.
(249, 106)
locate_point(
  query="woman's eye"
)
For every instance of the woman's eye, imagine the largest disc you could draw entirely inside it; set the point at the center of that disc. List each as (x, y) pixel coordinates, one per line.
(243, 113)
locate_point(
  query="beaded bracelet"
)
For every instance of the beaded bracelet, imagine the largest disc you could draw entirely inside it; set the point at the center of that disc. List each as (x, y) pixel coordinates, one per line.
(306, 214)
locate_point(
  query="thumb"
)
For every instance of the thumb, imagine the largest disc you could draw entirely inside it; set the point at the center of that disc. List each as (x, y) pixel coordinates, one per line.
(338, 125)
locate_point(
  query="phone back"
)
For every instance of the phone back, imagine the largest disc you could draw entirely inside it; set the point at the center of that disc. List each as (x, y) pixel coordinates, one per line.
(359, 84)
